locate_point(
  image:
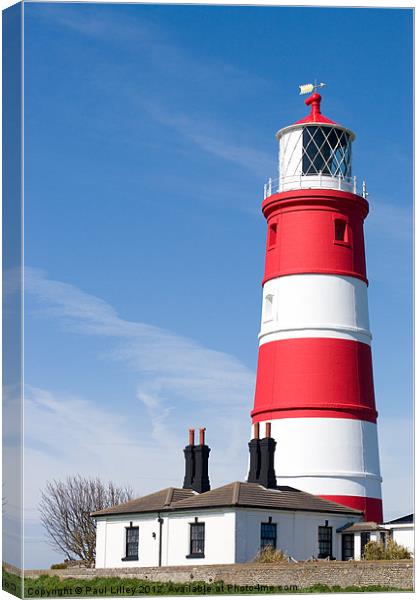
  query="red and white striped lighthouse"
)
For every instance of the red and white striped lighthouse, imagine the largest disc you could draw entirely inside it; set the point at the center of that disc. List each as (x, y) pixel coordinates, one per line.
(314, 378)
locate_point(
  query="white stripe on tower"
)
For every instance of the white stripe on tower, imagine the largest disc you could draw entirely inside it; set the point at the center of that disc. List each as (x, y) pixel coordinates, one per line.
(315, 305)
(326, 470)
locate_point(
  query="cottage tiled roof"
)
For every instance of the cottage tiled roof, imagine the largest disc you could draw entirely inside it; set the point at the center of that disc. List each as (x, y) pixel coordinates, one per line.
(238, 493)
(361, 526)
(407, 519)
(253, 495)
(157, 501)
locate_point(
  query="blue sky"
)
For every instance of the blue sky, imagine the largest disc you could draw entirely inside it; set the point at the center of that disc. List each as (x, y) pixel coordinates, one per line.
(149, 133)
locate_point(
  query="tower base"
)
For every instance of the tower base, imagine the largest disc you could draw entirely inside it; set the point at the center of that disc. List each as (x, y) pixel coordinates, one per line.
(371, 507)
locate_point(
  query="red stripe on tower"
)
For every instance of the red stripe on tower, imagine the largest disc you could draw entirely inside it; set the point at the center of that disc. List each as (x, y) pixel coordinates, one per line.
(323, 374)
(314, 375)
(319, 231)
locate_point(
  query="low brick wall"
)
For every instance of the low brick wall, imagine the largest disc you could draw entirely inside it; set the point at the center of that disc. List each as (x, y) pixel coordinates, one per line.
(398, 574)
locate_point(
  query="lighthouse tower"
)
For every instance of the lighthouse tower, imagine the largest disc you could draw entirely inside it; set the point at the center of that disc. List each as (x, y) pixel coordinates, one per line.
(314, 378)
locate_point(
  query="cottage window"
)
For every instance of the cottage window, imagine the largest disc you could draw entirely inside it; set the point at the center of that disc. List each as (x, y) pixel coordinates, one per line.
(197, 540)
(131, 543)
(268, 535)
(347, 546)
(325, 541)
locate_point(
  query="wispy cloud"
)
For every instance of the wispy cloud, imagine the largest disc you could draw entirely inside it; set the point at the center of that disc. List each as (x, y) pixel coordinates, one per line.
(176, 362)
(214, 140)
(175, 73)
(165, 54)
(65, 435)
(177, 376)
(179, 383)
(68, 435)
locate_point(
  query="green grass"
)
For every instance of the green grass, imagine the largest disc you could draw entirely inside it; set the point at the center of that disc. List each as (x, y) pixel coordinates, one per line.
(46, 586)
(11, 583)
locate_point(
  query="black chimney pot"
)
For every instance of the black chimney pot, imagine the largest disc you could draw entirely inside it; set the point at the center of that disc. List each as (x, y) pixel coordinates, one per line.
(189, 462)
(267, 473)
(189, 467)
(197, 464)
(201, 481)
(261, 459)
(254, 461)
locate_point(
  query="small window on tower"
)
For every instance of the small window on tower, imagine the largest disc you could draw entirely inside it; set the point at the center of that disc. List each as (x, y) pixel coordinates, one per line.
(341, 234)
(268, 307)
(272, 235)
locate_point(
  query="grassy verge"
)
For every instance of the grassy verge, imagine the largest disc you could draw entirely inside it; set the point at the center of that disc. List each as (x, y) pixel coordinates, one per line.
(11, 583)
(52, 587)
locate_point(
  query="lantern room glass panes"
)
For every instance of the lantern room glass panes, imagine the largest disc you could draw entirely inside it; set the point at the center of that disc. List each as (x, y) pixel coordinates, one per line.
(326, 150)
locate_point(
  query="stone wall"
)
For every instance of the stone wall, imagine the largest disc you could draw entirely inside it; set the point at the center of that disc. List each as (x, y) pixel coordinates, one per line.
(397, 574)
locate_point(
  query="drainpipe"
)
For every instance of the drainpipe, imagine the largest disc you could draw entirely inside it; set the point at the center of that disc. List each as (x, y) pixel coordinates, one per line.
(160, 521)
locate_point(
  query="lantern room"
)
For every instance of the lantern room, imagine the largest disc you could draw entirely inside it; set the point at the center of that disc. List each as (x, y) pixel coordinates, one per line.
(315, 152)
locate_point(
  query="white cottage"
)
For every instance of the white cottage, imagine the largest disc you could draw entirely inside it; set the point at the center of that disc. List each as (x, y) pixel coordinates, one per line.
(194, 525)
(401, 530)
(229, 524)
(355, 536)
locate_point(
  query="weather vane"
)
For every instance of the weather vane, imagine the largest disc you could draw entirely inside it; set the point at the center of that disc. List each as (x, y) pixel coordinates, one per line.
(308, 88)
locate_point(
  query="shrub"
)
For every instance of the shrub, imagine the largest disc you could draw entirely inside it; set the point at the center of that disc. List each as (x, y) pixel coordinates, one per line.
(390, 551)
(374, 551)
(65, 510)
(394, 551)
(270, 555)
(62, 565)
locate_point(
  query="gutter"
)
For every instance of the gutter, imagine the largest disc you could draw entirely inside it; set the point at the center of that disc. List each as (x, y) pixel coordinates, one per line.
(160, 521)
(174, 508)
